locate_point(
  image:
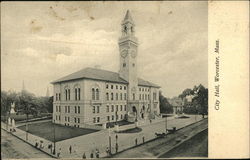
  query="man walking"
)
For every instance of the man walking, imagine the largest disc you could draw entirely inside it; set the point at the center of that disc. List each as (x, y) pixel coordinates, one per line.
(70, 149)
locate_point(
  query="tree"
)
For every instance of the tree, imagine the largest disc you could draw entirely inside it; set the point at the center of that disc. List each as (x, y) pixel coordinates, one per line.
(165, 106)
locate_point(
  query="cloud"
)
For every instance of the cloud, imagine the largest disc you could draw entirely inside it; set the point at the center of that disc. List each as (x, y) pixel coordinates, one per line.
(45, 41)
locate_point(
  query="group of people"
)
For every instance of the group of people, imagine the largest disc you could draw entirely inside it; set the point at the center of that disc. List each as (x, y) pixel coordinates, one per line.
(96, 153)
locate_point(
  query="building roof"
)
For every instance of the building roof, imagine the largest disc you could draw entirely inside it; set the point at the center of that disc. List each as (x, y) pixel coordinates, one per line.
(102, 75)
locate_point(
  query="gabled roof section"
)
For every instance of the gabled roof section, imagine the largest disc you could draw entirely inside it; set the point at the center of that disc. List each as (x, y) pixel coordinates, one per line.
(102, 75)
(92, 73)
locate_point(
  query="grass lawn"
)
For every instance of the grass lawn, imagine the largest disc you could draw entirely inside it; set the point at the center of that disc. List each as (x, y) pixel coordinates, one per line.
(46, 130)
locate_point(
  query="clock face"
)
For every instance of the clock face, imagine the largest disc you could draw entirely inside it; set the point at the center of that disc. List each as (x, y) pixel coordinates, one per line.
(133, 54)
(124, 53)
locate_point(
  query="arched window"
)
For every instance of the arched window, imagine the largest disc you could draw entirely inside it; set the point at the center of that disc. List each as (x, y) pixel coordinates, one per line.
(107, 96)
(112, 96)
(97, 94)
(93, 94)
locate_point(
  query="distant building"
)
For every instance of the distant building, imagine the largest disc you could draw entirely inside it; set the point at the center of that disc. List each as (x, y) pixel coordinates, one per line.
(96, 96)
(177, 104)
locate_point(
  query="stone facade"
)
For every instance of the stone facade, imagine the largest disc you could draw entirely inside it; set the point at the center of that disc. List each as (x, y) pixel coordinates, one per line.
(94, 96)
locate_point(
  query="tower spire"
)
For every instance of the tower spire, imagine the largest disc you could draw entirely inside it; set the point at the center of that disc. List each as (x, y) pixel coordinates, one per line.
(128, 18)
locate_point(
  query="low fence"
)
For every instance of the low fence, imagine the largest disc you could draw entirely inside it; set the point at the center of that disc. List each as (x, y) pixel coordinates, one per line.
(91, 126)
(125, 127)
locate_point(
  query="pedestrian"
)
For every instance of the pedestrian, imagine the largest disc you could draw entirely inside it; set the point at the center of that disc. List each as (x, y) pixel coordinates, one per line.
(91, 155)
(143, 139)
(70, 149)
(107, 151)
(116, 147)
(36, 144)
(97, 153)
(84, 156)
(59, 152)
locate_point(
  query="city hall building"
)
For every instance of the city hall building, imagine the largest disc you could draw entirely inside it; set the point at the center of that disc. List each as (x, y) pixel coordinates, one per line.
(96, 96)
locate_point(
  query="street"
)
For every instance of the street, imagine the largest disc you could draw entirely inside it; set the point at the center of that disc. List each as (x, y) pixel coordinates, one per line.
(160, 147)
(12, 147)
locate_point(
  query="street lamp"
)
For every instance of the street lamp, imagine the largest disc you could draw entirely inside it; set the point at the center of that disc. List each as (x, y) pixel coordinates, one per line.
(116, 144)
(27, 116)
(54, 150)
(109, 141)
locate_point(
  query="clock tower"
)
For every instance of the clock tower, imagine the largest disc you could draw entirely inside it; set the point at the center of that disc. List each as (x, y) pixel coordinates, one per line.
(128, 44)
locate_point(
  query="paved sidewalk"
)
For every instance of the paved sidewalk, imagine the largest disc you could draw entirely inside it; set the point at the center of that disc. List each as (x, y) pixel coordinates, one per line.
(100, 140)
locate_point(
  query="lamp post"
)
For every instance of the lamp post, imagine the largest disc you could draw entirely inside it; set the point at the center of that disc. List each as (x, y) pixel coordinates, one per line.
(54, 129)
(166, 124)
(27, 116)
(109, 141)
(116, 144)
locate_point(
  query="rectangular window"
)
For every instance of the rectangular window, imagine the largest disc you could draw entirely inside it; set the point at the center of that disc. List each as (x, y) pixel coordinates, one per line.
(148, 97)
(116, 87)
(56, 96)
(140, 97)
(79, 93)
(59, 108)
(125, 96)
(107, 109)
(111, 86)
(56, 117)
(65, 109)
(78, 120)
(78, 109)
(121, 116)
(65, 118)
(125, 107)
(94, 120)
(75, 109)
(107, 86)
(113, 117)
(59, 94)
(116, 116)
(68, 119)
(116, 108)
(98, 119)
(112, 108)
(56, 108)
(98, 109)
(121, 108)
(124, 87)
(120, 87)
(75, 119)
(93, 109)
(133, 96)
(68, 109)
(108, 118)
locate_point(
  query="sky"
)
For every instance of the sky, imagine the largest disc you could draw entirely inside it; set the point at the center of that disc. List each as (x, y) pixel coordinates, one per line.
(44, 41)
